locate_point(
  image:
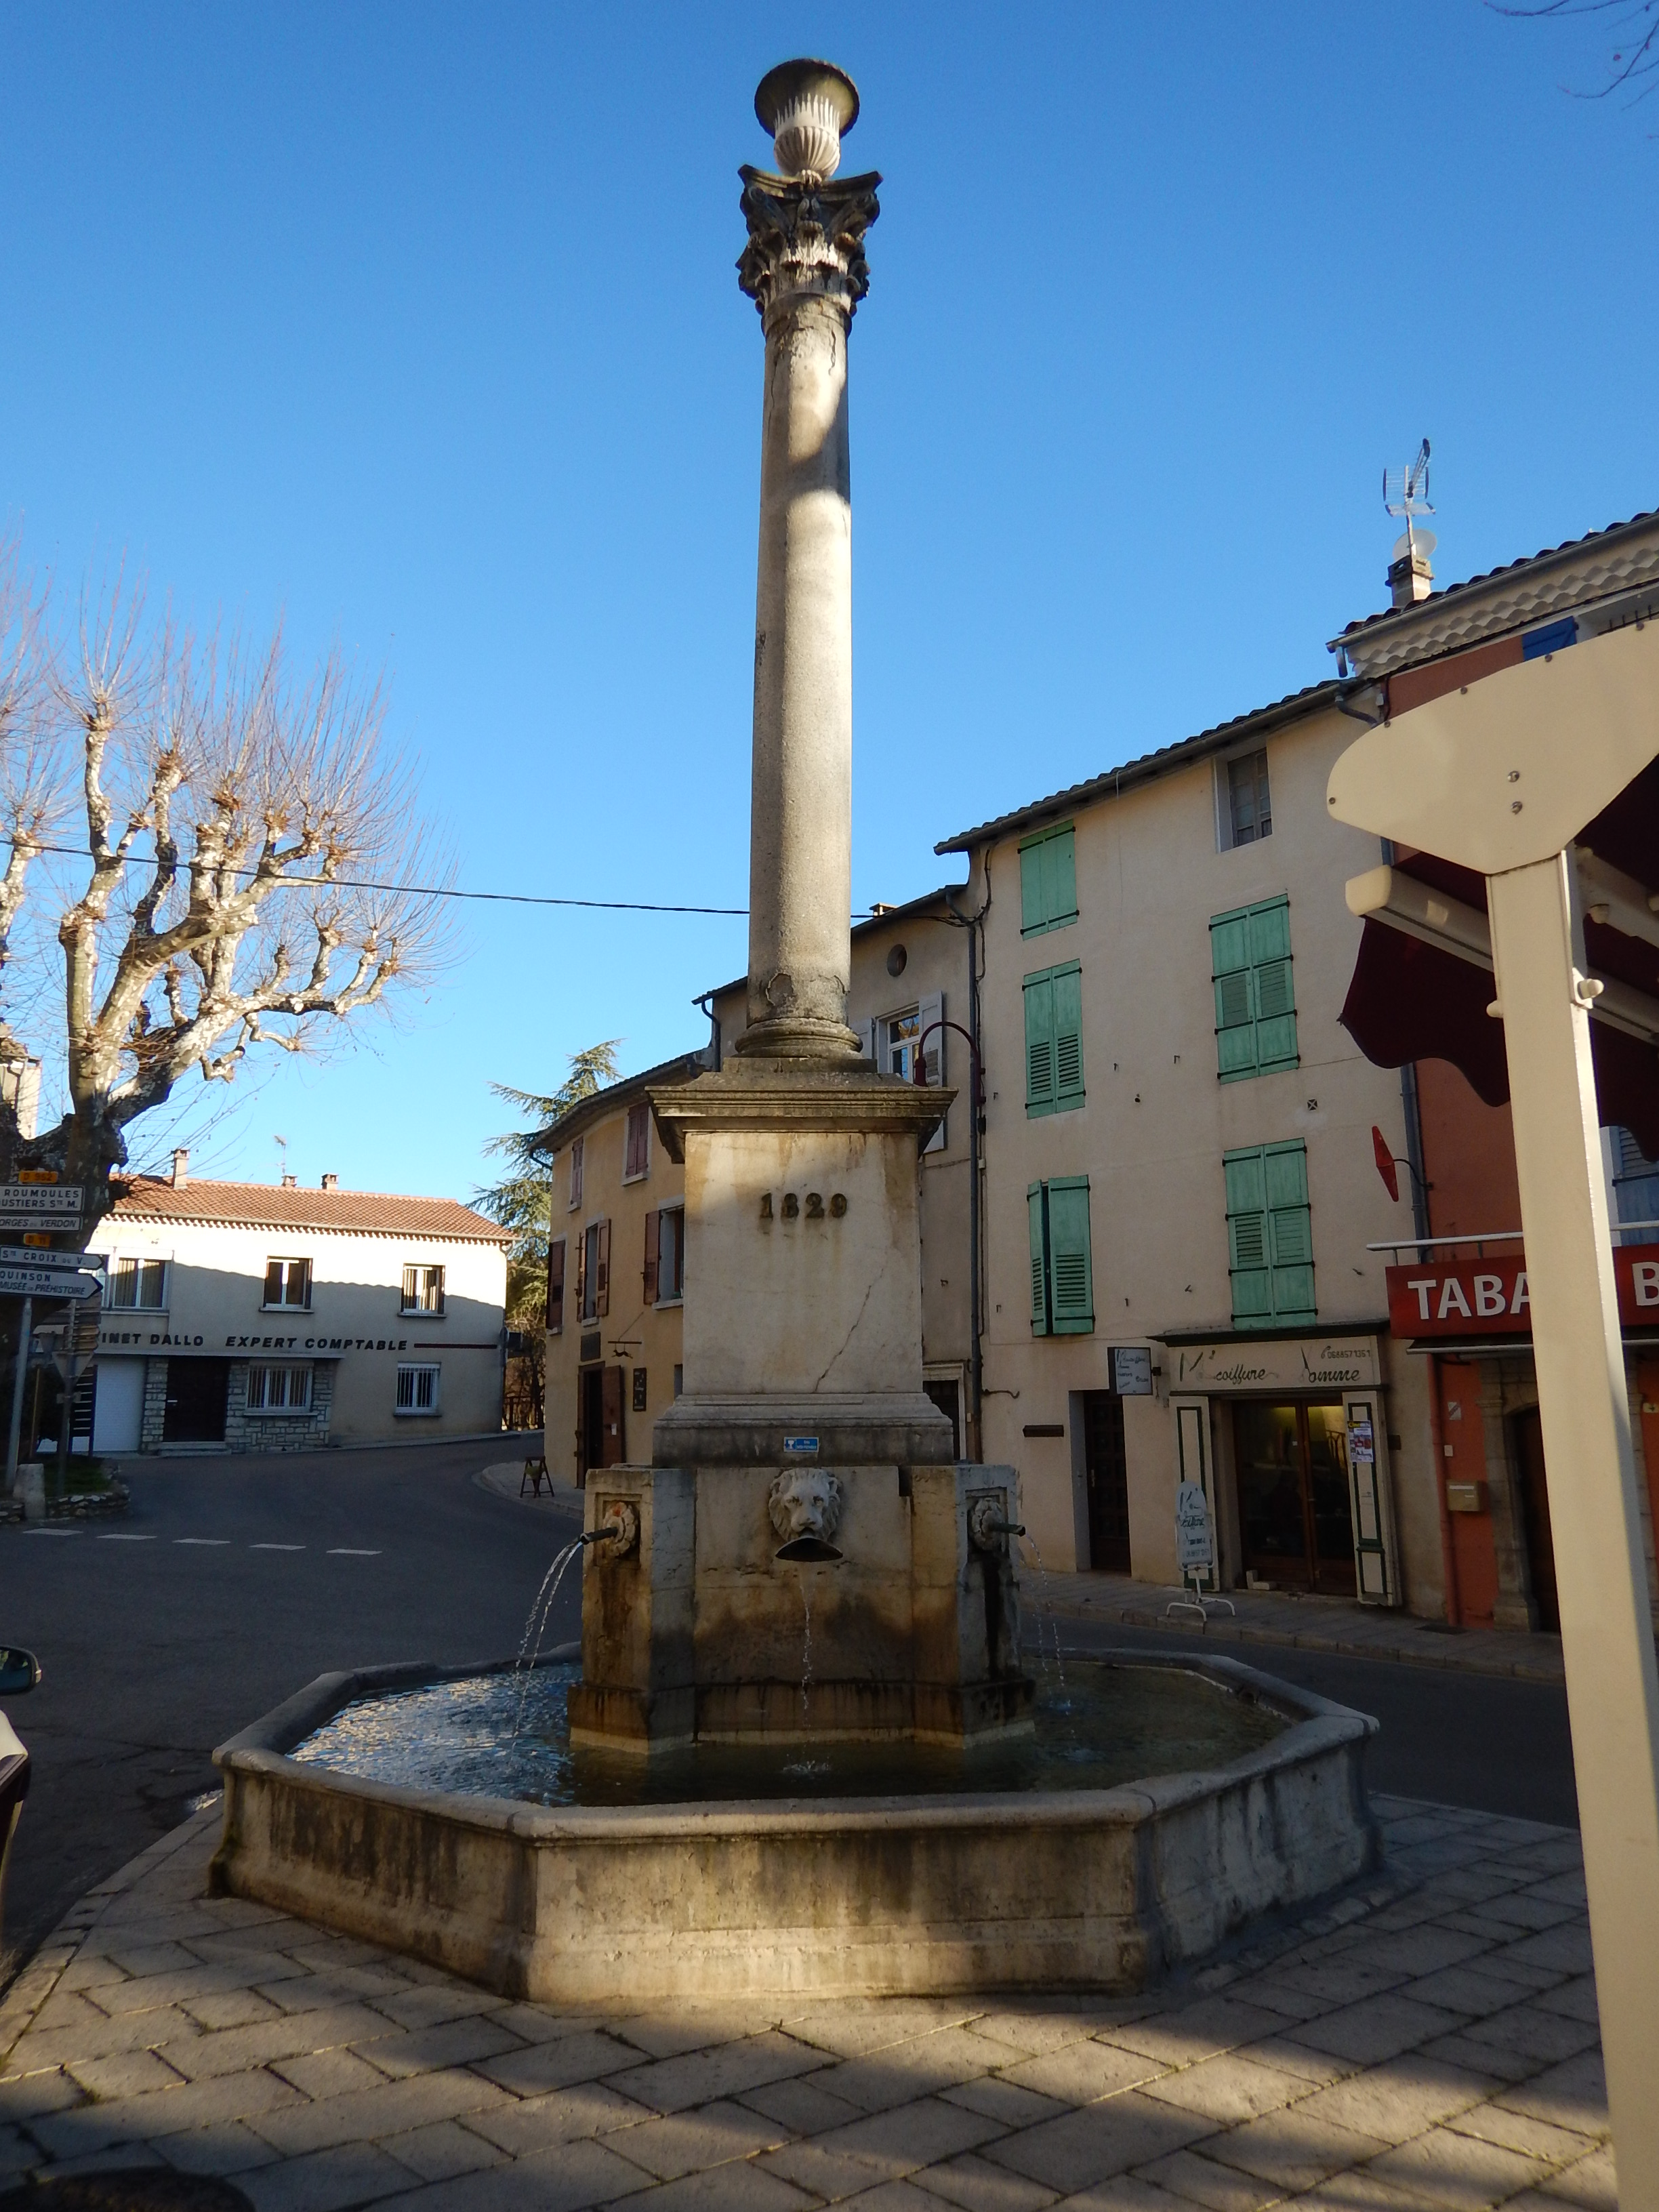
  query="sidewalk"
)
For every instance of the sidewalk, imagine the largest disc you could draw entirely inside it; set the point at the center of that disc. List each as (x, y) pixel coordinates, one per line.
(1312, 1624)
(504, 1476)
(1430, 2044)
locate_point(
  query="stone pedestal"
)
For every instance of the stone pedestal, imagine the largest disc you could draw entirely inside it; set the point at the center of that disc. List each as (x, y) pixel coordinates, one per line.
(714, 1623)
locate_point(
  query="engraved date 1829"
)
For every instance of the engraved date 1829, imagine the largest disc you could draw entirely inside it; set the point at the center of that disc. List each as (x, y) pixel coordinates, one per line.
(792, 1205)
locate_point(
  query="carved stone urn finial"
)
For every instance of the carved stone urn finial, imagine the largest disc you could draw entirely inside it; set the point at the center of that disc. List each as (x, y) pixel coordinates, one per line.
(807, 105)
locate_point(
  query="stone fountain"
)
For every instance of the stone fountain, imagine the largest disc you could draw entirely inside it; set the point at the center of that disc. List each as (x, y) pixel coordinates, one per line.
(804, 1559)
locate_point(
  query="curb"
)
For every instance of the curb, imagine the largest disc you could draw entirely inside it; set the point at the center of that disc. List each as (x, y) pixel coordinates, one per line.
(1547, 1668)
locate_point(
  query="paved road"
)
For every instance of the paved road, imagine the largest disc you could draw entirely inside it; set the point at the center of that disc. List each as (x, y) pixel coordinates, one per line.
(156, 1649)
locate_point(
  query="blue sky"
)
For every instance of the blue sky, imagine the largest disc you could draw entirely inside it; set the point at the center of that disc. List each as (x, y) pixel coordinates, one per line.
(417, 326)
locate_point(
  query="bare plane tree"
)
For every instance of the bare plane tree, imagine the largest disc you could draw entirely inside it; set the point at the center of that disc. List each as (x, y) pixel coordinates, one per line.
(1634, 60)
(249, 849)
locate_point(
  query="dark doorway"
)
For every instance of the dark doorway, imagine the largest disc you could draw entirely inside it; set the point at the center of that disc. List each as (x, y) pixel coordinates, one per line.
(1293, 1511)
(947, 1394)
(600, 1436)
(1528, 1433)
(195, 1411)
(1108, 1474)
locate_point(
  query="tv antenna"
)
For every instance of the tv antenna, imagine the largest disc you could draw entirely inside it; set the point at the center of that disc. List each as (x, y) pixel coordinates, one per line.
(1405, 494)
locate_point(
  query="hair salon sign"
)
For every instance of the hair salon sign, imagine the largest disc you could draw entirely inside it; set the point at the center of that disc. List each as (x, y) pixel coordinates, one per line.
(1491, 1297)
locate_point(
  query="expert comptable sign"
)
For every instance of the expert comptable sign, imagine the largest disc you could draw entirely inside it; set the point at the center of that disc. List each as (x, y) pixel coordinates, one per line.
(1492, 1298)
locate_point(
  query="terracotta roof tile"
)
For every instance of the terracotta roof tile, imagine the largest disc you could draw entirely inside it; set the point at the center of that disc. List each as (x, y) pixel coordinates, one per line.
(269, 1205)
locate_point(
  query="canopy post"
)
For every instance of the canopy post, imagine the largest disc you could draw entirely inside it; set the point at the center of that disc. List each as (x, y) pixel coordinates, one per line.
(1606, 1624)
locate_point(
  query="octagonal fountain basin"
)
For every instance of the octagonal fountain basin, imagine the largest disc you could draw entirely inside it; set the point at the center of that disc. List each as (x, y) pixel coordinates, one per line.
(1157, 1808)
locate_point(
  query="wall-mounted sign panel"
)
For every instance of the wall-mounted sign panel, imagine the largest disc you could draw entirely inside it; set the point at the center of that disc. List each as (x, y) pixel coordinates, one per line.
(1293, 1363)
(1492, 1298)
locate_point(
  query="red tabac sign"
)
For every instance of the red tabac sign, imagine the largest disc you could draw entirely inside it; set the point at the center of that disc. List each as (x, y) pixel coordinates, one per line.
(1490, 1298)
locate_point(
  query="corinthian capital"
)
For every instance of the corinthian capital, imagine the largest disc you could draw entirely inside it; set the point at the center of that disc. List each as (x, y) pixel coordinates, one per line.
(805, 242)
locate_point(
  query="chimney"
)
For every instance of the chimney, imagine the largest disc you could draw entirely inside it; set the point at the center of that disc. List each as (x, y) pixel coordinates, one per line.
(331, 1182)
(290, 1182)
(180, 1169)
(1410, 577)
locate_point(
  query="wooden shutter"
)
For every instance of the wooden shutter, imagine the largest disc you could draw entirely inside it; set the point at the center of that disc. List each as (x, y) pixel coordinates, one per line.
(1068, 1037)
(1272, 985)
(556, 1287)
(1289, 1230)
(611, 1451)
(273, 1282)
(1071, 1276)
(1040, 1044)
(1036, 1207)
(1235, 1014)
(1033, 914)
(1059, 852)
(1247, 1237)
(653, 1250)
(581, 1276)
(602, 1271)
(929, 1010)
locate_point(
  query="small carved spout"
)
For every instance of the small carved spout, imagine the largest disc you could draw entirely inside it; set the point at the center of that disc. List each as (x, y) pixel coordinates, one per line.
(619, 1524)
(986, 1524)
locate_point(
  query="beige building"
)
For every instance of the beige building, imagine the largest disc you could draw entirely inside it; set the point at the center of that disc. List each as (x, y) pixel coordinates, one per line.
(1180, 1177)
(263, 1317)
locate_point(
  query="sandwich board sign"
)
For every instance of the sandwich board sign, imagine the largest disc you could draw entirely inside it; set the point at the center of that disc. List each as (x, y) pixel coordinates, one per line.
(1194, 1531)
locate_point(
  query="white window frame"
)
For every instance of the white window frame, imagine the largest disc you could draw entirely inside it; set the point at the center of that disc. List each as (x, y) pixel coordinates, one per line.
(1225, 842)
(417, 1370)
(418, 1310)
(286, 1259)
(674, 1297)
(137, 1260)
(294, 1372)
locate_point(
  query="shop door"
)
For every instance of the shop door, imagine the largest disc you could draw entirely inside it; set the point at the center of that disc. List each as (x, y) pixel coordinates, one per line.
(1107, 1472)
(600, 1428)
(195, 1411)
(1529, 1434)
(1294, 1516)
(119, 1407)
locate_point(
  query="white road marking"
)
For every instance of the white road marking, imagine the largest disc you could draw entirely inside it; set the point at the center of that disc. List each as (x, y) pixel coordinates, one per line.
(350, 1552)
(122, 1536)
(201, 1540)
(276, 1547)
(51, 1532)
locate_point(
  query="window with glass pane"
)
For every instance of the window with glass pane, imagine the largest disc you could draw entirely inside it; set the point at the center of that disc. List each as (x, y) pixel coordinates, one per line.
(140, 1284)
(279, 1390)
(418, 1390)
(288, 1282)
(423, 1290)
(671, 1254)
(1250, 804)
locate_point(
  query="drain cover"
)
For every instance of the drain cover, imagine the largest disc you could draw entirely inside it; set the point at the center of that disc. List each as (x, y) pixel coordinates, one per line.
(127, 2188)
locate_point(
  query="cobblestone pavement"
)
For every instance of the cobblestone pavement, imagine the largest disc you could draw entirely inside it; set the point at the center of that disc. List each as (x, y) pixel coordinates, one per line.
(1431, 2043)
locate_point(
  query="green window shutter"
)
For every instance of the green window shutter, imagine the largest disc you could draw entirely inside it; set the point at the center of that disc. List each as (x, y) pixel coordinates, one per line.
(1068, 1037)
(1234, 1011)
(1274, 986)
(1032, 913)
(1048, 880)
(1040, 1044)
(1248, 1259)
(1061, 852)
(1070, 1271)
(1289, 1230)
(1036, 1207)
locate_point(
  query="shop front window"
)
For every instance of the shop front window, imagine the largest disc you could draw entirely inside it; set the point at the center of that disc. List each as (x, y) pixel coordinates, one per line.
(1293, 1510)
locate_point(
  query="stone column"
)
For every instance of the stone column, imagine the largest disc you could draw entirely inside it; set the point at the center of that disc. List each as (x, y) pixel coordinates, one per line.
(803, 267)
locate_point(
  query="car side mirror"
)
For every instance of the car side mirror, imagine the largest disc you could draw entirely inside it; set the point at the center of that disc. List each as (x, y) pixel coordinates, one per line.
(20, 1670)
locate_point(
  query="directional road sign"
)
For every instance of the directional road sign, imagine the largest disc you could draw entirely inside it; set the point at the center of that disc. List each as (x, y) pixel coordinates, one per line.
(46, 1283)
(41, 1205)
(22, 1255)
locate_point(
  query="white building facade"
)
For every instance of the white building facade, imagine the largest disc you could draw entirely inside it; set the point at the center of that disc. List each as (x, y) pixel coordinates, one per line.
(261, 1318)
